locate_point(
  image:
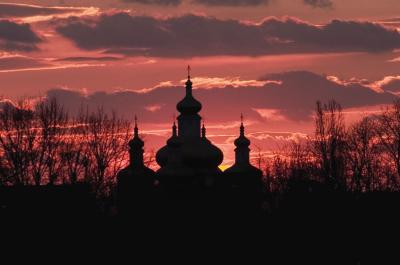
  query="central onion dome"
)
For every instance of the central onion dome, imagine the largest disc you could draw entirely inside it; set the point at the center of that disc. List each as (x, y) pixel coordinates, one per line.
(202, 153)
(189, 105)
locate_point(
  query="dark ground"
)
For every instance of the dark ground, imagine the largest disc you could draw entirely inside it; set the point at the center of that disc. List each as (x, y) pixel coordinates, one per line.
(298, 227)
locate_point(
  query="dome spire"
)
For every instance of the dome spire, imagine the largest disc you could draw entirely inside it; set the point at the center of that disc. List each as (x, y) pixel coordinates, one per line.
(136, 148)
(189, 83)
(241, 125)
(136, 130)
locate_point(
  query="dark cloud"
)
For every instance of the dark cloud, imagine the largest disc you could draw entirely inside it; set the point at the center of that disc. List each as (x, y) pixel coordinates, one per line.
(20, 62)
(156, 2)
(192, 35)
(8, 10)
(294, 99)
(231, 2)
(19, 37)
(319, 3)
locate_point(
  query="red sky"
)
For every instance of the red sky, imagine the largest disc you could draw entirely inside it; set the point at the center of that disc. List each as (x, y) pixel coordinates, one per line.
(270, 60)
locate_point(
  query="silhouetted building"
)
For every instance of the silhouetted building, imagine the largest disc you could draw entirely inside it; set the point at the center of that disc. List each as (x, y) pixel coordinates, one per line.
(189, 169)
(189, 160)
(136, 182)
(243, 176)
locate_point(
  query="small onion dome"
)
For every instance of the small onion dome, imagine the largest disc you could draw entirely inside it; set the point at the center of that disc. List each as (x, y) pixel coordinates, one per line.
(189, 105)
(242, 140)
(136, 142)
(173, 168)
(163, 153)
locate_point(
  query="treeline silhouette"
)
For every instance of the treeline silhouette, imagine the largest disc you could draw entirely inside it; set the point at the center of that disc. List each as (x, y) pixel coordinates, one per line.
(43, 145)
(343, 180)
(363, 157)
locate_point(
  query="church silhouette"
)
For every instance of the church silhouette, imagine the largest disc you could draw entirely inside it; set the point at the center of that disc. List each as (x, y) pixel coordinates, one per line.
(189, 163)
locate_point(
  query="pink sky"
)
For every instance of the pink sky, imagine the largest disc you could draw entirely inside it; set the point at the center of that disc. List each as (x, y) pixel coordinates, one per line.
(271, 61)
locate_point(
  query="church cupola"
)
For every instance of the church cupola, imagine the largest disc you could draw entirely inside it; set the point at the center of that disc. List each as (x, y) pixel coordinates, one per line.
(242, 175)
(189, 105)
(135, 183)
(136, 148)
(242, 144)
(189, 120)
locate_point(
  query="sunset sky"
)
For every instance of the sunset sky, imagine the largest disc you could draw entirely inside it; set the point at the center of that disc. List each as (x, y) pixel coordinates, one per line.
(268, 59)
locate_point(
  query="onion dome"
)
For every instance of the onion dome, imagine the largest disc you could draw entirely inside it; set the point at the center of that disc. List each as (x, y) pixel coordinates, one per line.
(136, 142)
(202, 153)
(173, 142)
(189, 105)
(172, 170)
(242, 140)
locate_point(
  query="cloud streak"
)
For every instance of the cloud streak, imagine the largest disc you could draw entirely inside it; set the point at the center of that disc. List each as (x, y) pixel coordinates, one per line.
(11, 10)
(193, 35)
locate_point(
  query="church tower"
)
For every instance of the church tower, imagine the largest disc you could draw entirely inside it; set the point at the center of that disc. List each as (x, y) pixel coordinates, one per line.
(136, 182)
(242, 175)
(199, 158)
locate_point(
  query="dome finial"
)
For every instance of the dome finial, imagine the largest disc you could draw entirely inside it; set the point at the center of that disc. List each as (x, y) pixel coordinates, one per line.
(189, 83)
(241, 125)
(136, 128)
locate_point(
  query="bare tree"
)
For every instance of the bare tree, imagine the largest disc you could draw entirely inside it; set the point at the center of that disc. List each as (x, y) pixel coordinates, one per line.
(107, 138)
(329, 144)
(301, 163)
(51, 123)
(17, 140)
(388, 131)
(363, 156)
